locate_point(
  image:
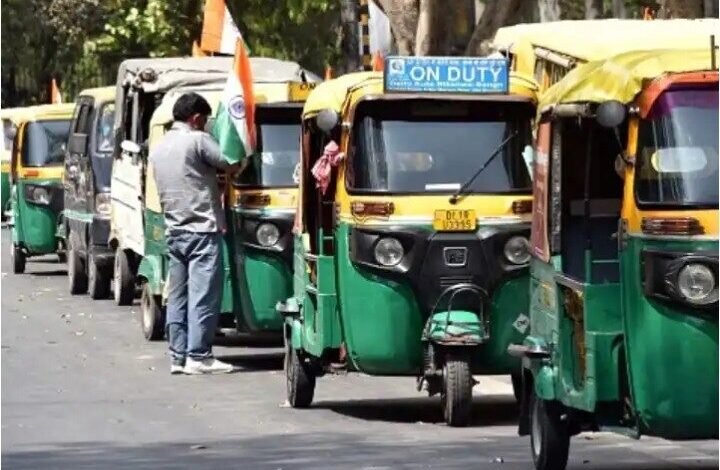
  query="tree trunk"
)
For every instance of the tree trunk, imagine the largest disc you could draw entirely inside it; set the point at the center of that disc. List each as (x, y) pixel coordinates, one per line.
(619, 9)
(350, 42)
(497, 13)
(681, 8)
(403, 16)
(549, 10)
(711, 9)
(593, 9)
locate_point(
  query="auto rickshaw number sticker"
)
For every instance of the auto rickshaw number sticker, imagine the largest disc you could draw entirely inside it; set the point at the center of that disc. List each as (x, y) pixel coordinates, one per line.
(455, 220)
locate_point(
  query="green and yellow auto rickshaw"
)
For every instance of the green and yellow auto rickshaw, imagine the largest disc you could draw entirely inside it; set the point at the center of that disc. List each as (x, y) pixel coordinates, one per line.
(624, 275)
(9, 117)
(257, 274)
(411, 236)
(263, 200)
(36, 177)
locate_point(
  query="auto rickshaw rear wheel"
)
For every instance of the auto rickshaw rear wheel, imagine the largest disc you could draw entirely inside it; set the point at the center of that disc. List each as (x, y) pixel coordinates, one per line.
(152, 315)
(124, 280)
(299, 379)
(18, 258)
(549, 435)
(456, 395)
(98, 279)
(77, 277)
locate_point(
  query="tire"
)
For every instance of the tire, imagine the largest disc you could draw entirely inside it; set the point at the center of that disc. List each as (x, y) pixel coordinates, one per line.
(98, 280)
(549, 436)
(18, 258)
(516, 379)
(62, 257)
(77, 276)
(456, 395)
(299, 379)
(152, 315)
(124, 280)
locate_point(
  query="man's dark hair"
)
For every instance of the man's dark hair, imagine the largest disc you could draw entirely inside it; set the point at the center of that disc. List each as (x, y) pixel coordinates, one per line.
(189, 104)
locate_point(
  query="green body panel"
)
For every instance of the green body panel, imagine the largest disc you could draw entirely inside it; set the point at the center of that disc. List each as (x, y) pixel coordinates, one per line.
(260, 281)
(381, 322)
(35, 226)
(577, 382)
(4, 190)
(672, 354)
(154, 265)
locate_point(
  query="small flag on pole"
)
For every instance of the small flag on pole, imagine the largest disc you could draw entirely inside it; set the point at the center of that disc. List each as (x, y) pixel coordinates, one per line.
(55, 96)
(235, 124)
(219, 31)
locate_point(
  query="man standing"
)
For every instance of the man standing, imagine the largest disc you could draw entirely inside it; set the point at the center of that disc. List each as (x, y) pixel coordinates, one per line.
(185, 165)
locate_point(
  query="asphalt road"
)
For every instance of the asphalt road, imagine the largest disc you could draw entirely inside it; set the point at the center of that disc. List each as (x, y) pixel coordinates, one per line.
(81, 389)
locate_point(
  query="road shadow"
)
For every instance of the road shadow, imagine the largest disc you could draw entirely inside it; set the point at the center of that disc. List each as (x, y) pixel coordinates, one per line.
(255, 362)
(488, 410)
(57, 272)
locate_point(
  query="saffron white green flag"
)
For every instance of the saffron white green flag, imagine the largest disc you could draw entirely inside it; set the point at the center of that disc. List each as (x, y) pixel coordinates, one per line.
(234, 126)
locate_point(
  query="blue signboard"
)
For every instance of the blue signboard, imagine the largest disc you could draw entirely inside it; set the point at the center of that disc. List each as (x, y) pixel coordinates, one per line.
(446, 75)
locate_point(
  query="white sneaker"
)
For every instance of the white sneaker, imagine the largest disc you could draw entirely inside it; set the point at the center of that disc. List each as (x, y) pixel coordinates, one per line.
(176, 369)
(207, 366)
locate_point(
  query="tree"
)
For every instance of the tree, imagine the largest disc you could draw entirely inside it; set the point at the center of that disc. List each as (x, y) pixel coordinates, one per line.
(497, 13)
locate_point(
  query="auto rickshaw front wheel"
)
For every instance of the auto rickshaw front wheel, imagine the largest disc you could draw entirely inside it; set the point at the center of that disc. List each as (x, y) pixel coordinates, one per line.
(98, 279)
(299, 379)
(152, 315)
(124, 281)
(457, 384)
(77, 276)
(549, 435)
(18, 259)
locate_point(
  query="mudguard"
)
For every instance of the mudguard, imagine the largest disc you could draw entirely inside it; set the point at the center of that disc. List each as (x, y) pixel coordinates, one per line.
(545, 380)
(150, 269)
(456, 327)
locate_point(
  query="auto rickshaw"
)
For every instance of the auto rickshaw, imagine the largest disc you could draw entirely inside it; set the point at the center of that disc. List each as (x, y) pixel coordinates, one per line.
(624, 271)
(550, 50)
(413, 217)
(9, 118)
(263, 200)
(141, 86)
(36, 176)
(86, 181)
(275, 109)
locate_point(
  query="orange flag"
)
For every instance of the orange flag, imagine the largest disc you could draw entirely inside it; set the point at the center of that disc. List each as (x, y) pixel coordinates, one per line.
(55, 96)
(378, 62)
(219, 31)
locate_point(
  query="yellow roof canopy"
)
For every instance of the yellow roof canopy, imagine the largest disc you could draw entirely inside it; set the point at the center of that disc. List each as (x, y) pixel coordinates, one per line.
(333, 94)
(106, 93)
(588, 40)
(622, 77)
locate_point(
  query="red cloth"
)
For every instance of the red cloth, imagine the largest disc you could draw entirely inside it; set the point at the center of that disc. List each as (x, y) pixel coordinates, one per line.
(322, 170)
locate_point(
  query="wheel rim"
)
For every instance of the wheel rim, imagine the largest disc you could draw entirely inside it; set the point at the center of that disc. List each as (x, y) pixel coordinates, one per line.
(536, 430)
(116, 278)
(91, 272)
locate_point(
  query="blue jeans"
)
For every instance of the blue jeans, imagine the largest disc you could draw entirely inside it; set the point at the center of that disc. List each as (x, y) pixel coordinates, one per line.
(194, 294)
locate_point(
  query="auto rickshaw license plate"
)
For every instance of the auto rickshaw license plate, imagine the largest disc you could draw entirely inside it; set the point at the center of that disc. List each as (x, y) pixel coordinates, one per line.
(454, 220)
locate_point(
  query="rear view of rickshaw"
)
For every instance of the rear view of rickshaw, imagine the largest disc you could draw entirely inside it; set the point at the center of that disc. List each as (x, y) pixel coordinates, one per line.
(36, 169)
(624, 275)
(413, 217)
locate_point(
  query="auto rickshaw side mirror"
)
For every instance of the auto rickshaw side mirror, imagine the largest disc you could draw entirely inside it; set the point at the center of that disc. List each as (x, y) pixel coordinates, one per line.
(610, 114)
(327, 120)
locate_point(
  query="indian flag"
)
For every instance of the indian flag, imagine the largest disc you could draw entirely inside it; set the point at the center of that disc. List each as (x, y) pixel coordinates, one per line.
(235, 124)
(219, 31)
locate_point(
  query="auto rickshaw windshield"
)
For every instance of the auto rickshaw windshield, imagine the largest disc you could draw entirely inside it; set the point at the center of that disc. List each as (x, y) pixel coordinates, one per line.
(276, 158)
(44, 142)
(677, 157)
(429, 147)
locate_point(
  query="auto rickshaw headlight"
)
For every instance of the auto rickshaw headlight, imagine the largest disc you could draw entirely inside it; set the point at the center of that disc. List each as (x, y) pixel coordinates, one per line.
(516, 250)
(697, 283)
(102, 203)
(267, 234)
(37, 194)
(389, 251)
